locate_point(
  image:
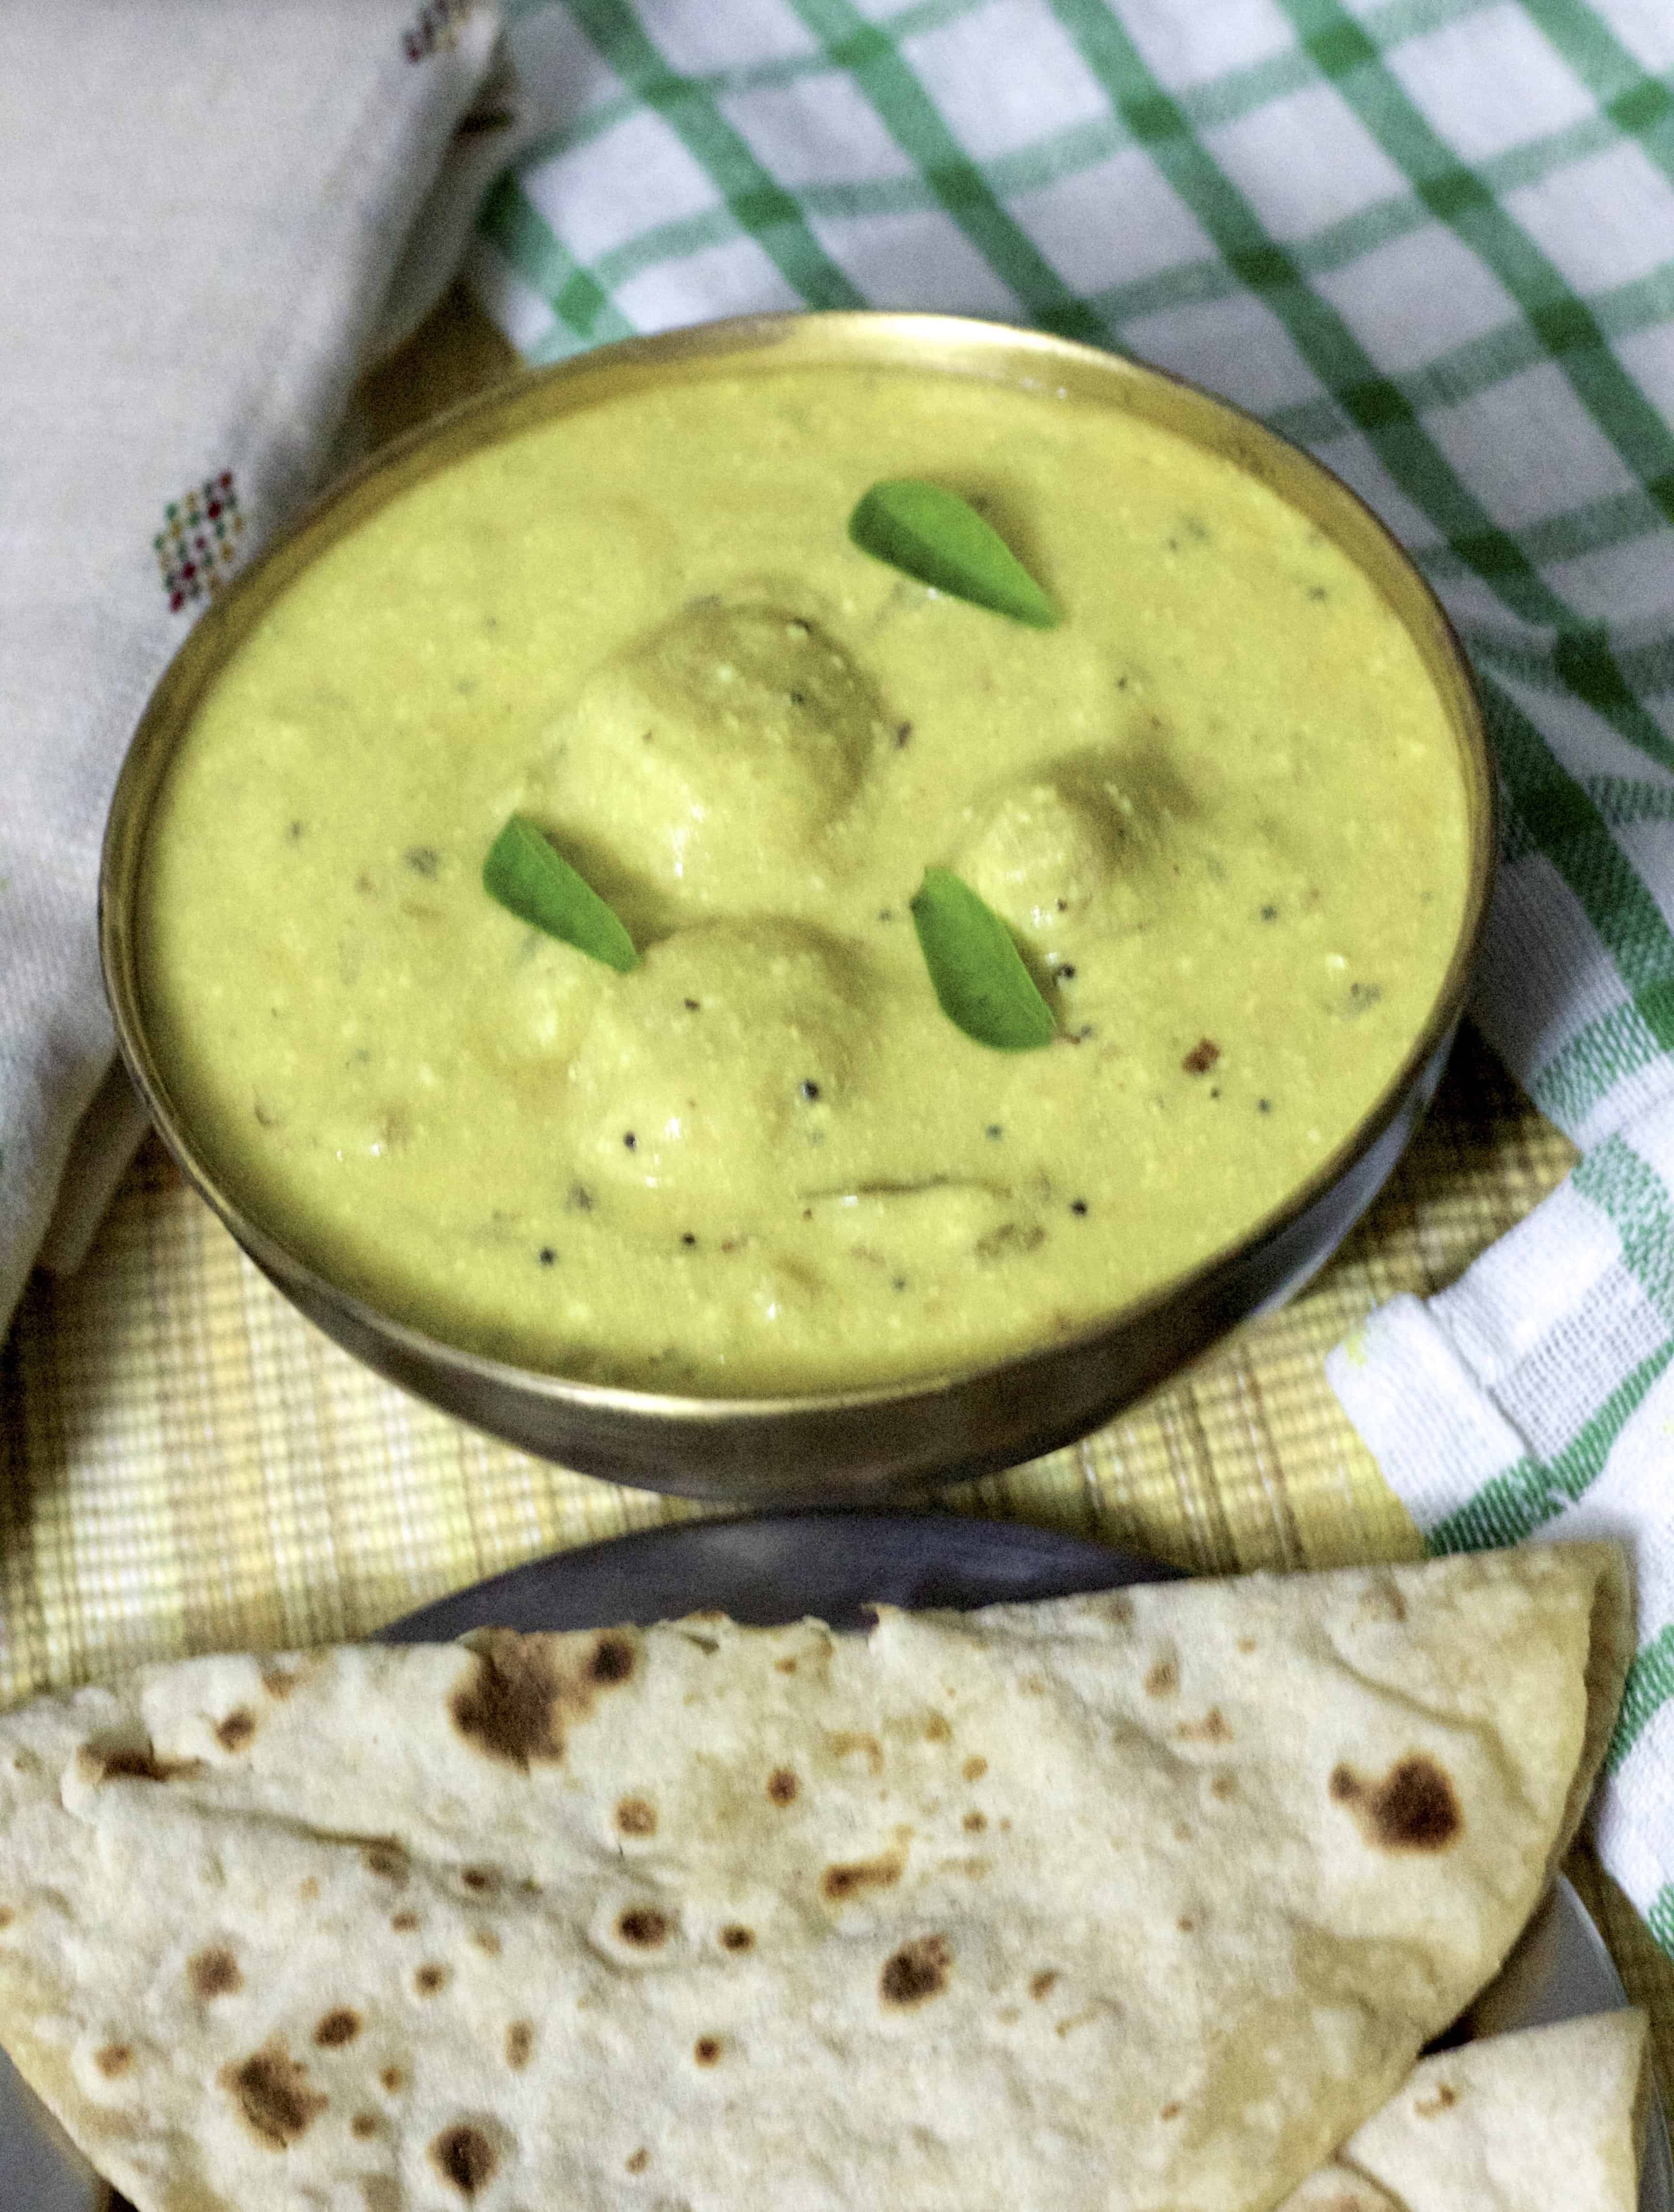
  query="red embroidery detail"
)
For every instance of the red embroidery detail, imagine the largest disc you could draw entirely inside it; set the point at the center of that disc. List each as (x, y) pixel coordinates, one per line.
(197, 544)
(435, 29)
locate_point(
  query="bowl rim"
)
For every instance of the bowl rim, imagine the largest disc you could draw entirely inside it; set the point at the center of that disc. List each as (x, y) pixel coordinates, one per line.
(966, 346)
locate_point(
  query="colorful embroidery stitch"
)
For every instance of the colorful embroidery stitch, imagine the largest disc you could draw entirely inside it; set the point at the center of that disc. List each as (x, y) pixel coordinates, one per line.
(198, 541)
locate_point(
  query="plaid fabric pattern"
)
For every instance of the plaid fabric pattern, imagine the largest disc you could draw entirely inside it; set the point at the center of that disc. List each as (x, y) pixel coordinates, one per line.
(1433, 240)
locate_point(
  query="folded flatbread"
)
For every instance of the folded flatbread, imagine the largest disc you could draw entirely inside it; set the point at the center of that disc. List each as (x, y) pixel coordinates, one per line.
(1548, 2120)
(1121, 1901)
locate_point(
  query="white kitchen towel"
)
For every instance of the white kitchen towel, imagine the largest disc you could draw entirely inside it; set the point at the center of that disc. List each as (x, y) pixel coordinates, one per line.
(1433, 241)
(202, 203)
(1534, 1399)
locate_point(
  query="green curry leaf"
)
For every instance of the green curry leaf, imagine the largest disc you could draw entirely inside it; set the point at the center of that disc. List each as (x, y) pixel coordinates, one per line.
(980, 981)
(940, 538)
(528, 876)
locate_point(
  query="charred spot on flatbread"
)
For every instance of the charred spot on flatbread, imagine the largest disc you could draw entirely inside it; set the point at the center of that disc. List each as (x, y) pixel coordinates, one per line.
(849, 1877)
(1041, 1985)
(520, 2042)
(335, 2028)
(364, 2124)
(707, 2050)
(612, 1660)
(269, 2091)
(464, 2156)
(486, 1942)
(393, 2080)
(1414, 1808)
(112, 1760)
(636, 1816)
(782, 1786)
(1163, 1680)
(916, 1974)
(1211, 1729)
(403, 1923)
(636, 2161)
(642, 1926)
(113, 2060)
(232, 1733)
(432, 1978)
(1427, 2107)
(214, 1972)
(975, 1768)
(975, 1823)
(511, 1705)
(384, 1856)
(737, 1937)
(482, 1878)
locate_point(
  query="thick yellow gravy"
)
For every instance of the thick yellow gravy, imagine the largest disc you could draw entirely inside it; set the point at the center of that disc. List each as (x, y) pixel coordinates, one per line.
(1220, 806)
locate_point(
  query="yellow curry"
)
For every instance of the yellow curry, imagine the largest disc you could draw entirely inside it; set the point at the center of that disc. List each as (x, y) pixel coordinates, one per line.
(1218, 806)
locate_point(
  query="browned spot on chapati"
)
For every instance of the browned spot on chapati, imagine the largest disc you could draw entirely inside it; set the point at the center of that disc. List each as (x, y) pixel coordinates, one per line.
(737, 1937)
(335, 2028)
(113, 2061)
(1211, 1729)
(1186, 1924)
(784, 1666)
(308, 1888)
(1429, 2106)
(635, 1816)
(99, 1763)
(1247, 1644)
(975, 1823)
(916, 1973)
(7, 1916)
(464, 2156)
(707, 2050)
(520, 2042)
(782, 1786)
(1224, 1785)
(403, 1923)
(480, 1878)
(365, 2124)
(1163, 1680)
(938, 1729)
(1042, 1983)
(432, 1978)
(1170, 2111)
(270, 2091)
(486, 1941)
(513, 1704)
(1202, 1057)
(385, 1857)
(1414, 1808)
(214, 1972)
(636, 2161)
(849, 1877)
(393, 2080)
(613, 1659)
(974, 1768)
(279, 1682)
(232, 1733)
(844, 1743)
(643, 1927)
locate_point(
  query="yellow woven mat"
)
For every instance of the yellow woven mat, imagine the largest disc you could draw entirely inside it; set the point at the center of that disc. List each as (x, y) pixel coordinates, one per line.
(185, 1465)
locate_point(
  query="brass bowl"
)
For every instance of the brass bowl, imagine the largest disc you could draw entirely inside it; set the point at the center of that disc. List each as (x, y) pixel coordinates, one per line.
(853, 1444)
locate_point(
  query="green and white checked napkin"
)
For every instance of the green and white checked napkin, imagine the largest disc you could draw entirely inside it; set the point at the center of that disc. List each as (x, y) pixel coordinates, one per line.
(1433, 241)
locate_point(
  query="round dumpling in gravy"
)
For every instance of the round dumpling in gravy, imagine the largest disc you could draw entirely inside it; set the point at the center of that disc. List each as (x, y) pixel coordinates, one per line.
(724, 1072)
(711, 751)
(1073, 847)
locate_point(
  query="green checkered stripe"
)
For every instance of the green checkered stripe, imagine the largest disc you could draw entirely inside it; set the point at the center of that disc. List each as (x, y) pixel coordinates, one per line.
(1433, 240)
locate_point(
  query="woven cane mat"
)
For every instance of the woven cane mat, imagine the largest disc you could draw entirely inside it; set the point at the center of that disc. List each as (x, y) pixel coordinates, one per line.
(185, 1465)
